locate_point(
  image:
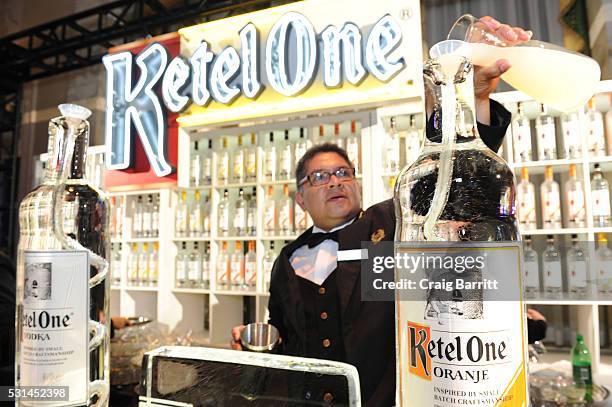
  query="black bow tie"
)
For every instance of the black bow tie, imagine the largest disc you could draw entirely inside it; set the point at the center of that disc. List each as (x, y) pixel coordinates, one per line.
(315, 239)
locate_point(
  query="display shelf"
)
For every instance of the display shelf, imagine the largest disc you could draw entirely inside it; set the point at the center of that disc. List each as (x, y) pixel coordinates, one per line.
(234, 185)
(562, 231)
(545, 163)
(236, 293)
(143, 289)
(117, 240)
(191, 239)
(115, 287)
(191, 290)
(234, 238)
(602, 230)
(278, 182)
(272, 237)
(141, 240)
(193, 189)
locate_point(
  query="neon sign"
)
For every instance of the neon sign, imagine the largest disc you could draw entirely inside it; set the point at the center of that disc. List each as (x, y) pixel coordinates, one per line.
(291, 59)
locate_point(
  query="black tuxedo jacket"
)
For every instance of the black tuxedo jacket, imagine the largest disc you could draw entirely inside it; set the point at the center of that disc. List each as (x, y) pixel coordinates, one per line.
(368, 327)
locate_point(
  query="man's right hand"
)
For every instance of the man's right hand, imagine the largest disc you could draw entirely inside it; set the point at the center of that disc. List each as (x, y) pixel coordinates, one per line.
(236, 331)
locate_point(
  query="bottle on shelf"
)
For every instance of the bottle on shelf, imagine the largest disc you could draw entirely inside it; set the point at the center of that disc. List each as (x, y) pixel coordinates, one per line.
(224, 215)
(595, 131)
(608, 126)
(576, 269)
(352, 147)
(237, 267)
(285, 168)
(207, 165)
(285, 213)
(182, 216)
(251, 214)
(195, 216)
(572, 137)
(600, 197)
(268, 262)
(270, 160)
(206, 267)
(270, 213)
(206, 228)
(526, 204)
(133, 265)
(337, 140)
(155, 216)
(223, 163)
(143, 265)
(181, 267)
(574, 196)
(147, 217)
(238, 160)
(603, 265)
(116, 264)
(545, 129)
(391, 150)
(137, 211)
(301, 146)
(222, 268)
(240, 214)
(194, 267)
(112, 226)
(195, 166)
(412, 141)
(322, 137)
(552, 269)
(532, 268)
(551, 201)
(119, 217)
(154, 265)
(250, 267)
(250, 160)
(581, 363)
(521, 132)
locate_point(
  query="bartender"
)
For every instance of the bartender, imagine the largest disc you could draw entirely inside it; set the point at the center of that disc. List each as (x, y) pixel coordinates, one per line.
(315, 300)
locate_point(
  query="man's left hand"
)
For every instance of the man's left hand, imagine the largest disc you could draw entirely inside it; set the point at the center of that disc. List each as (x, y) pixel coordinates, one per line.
(486, 78)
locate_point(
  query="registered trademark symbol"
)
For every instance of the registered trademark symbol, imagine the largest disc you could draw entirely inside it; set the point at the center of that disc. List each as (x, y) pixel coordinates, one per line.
(405, 13)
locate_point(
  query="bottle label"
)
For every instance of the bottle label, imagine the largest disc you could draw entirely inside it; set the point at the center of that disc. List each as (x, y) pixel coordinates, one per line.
(206, 223)
(236, 276)
(238, 168)
(597, 140)
(270, 164)
(224, 220)
(577, 276)
(575, 210)
(206, 270)
(547, 137)
(155, 223)
(285, 167)
(54, 343)
(551, 207)
(251, 164)
(181, 270)
(284, 218)
(193, 270)
(267, 269)
(443, 333)
(207, 168)
(250, 221)
(572, 141)
(222, 272)
(552, 274)
(239, 219)
(195, 226)
(301, 218)
(601, 202)
(146, 222)
(526, 208)
(532, 279)
(251, 272)
(181, 222)
(223, 168)
(523, 139)
(352, 150)
(582, 375)
(269, 216)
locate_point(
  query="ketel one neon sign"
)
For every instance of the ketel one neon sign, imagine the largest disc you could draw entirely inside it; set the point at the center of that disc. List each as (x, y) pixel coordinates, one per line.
(290, 64)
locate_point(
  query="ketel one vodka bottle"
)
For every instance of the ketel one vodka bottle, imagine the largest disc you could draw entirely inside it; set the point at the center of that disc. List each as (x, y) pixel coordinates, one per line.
(63, 278)
(456, 201)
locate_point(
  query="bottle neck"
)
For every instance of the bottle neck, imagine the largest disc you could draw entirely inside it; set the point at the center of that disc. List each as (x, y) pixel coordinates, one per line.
(67, 149)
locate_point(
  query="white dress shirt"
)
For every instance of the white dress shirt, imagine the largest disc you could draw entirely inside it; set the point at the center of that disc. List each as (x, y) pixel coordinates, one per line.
(317, 263)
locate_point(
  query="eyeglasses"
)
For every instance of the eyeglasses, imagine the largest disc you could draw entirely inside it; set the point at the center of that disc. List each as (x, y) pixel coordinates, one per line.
(321, 177)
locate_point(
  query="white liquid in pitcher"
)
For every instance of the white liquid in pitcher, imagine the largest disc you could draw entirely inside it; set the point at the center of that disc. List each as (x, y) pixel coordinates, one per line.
(562, 80)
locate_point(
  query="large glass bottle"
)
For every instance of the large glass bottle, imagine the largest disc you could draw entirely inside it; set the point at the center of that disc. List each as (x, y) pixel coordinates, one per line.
(63, 279)
(458, 190)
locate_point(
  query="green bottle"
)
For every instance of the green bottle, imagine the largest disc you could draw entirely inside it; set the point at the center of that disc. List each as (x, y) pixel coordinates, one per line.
(581, 363)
